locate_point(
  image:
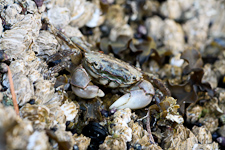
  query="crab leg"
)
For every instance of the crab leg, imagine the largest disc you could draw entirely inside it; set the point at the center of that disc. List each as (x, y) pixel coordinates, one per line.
(82, 86)
(138, 97)
(157, 83)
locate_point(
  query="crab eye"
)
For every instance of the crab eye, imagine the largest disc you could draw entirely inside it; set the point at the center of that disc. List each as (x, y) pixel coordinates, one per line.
(96, 65)
(134, 78)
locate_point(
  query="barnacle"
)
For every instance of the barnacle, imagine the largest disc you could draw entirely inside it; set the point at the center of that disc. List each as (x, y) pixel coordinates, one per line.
(38, 140)
(210, 122)
(209, 76)
(115, 16)
(59, 16)
(65, 136)
(14, 131)
(124, 30)
(168, 111)
(193, 113)
(76, 13)
(38, 114)
(12, 14)
(112, 142)
(120, 126)
(70, 110)
(22, 33)
(47, 44)
(23, 88)
(171, 33)
(141, 136)
(181, 139)
(204, 138)
(81, 141)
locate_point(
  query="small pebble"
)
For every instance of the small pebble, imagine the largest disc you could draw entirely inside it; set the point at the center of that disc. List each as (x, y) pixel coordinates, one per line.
(32, 101)
(137, 146)
(75, 147)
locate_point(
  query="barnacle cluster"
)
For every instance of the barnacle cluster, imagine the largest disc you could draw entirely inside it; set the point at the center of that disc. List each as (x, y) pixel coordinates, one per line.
(182, 42)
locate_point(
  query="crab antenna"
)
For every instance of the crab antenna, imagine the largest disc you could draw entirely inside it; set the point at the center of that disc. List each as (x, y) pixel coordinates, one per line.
(62, 36)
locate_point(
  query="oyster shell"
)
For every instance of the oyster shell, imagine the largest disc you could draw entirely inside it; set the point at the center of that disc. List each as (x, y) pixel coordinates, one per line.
(81, 141)
(113, 143)
(203, 136)
(16, 41)
(47, 43)
(59, 16)
(38, 114)
(38, 141)
(141, 136)
(70, 110)
(183, 138)
(14, 131)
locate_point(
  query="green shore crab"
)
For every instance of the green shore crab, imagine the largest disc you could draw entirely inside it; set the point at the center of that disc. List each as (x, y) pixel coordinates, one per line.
(113, 73)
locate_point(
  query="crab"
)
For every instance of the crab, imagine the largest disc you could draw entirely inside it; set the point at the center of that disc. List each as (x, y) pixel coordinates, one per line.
(113, 73)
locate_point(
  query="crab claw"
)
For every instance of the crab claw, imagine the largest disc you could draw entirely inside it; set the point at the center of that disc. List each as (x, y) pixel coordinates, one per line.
(139, 97)
(81, 85)
(91, 91)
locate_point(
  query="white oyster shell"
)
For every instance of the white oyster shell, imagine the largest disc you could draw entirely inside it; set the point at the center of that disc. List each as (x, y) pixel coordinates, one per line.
(17, 40)
(59, 16)
(70, 110)
(121, 128)
(173, 36)
(125, 30)
(78, 14)
(23, 88)
(166, 32)
(175, 118)
(12, 14)
(47, 43)
(38, 141)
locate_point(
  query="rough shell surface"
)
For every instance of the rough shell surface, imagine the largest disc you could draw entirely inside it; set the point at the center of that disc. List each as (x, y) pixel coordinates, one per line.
(182, 139)
(65, 136)
(16, 41)
(59, 16)
(203, 136)
(15, 131)
(47, 43)
(70, 110)
(113, 143)
(38, 115)
(141, 136)
(38, 140)
(121, 127)
(82, 141)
